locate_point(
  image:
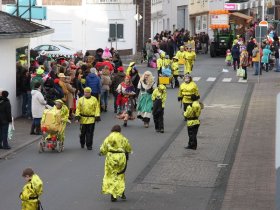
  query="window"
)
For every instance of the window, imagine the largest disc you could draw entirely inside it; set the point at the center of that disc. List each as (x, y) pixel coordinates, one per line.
(53, 48)
(113, 30)
(42, 47)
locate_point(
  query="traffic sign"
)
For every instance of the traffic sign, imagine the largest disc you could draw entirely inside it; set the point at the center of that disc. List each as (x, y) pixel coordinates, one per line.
(137, 17)
(263, 23)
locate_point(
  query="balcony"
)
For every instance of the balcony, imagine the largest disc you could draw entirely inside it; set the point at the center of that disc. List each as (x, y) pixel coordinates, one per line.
(109, 1)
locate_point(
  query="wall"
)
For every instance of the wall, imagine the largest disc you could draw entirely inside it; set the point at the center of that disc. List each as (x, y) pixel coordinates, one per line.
(198, 6)
(89, 25)
(8, 70)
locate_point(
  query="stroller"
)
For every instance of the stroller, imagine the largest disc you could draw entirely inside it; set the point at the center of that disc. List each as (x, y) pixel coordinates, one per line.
(52, 128)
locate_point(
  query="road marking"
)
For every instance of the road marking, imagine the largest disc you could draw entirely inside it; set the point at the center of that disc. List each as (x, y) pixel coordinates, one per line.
(196, 79)
(227, 79)
(222, 165)
(225, 70)
(222, 106)
(242, 80)
(211, 79)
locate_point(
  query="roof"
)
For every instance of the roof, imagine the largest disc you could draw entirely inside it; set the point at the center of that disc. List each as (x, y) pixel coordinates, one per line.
(240, 15)
(16, 27)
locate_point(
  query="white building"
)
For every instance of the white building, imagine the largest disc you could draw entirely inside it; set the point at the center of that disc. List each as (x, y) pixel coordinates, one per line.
(15, 34)
(169, 15)
(89, 24)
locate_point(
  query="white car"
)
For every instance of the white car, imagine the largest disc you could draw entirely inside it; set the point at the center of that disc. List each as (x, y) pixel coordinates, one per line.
(55, 50)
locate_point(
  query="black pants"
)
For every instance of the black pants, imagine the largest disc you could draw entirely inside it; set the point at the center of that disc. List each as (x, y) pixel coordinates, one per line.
(245, 69)
(158, 120)
(236, 60)
(86, 136)
(192, 131)
(176, 80)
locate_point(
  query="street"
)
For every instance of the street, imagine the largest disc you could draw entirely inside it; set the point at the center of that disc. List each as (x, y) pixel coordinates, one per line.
(161, 174)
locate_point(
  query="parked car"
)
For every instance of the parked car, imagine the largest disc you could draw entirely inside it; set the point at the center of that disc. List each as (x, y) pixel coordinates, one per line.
(56, 50)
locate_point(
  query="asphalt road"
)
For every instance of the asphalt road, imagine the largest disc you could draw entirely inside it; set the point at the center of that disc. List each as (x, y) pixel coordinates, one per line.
(72, 179)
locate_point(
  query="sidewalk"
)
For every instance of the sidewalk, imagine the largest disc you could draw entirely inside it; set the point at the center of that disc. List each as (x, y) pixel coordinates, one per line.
(21, 137)
(251, 183)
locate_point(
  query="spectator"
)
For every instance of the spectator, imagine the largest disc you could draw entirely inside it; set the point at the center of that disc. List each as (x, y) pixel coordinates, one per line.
(93, 81)
(5, 119)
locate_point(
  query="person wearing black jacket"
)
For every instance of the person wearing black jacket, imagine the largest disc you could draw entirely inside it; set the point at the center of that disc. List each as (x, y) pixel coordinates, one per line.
(235, 52)
(250, 47)
(5, 119)
(117, 78)
(26, 94)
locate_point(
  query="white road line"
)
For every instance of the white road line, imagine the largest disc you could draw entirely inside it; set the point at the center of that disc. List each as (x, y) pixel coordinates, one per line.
(227, 80)
(196, 79)
(211, 79)
(242, 80)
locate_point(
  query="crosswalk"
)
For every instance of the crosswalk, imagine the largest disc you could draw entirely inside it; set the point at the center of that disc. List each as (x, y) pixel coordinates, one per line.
(225, 80)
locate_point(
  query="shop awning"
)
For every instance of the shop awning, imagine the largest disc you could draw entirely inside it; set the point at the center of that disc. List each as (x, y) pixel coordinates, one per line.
(243, 16)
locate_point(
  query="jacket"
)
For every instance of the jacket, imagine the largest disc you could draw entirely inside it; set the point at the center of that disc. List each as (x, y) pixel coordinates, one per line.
(175, 68)
(38, 104)
(64, 90)
(105, 82)
(186, 90)
(159, 95)
(93, 81)
(5, 111)
(162, 63)
(34, 80)
(192, 114)
(244, 59)
(235, 52)
(257, 57)
(31, 192)
(116, 80)
(87, 110)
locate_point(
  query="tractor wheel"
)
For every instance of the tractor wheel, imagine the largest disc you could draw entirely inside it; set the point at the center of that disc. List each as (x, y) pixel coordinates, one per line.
(212, 50)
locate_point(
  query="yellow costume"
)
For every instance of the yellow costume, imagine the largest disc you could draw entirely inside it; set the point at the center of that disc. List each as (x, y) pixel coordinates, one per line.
(115, 147)
(88, 109)
(186, 90)
(190, 58)
(31, 192)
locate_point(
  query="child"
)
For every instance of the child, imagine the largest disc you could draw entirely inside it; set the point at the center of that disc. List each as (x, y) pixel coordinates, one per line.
(192, 114)
(228, 57)
(159, 98)
(175, 70)
(31, 190)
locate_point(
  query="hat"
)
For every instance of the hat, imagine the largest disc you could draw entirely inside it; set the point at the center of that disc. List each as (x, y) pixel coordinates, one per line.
(61, 75)
(120, 68)
(87, 90)
(161, 87)
(40, 71)
(22, 56)
(59, 101)
(181, 47)
(162, 54)
(93, 70)
(56, 81)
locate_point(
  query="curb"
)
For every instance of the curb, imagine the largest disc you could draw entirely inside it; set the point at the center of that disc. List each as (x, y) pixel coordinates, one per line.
(21, 146)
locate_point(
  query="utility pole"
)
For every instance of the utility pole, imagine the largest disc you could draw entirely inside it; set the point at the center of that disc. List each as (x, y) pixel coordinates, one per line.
(263, 6)
(144, 14)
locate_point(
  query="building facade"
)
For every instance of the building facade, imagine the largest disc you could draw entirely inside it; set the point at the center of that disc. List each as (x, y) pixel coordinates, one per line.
(199, 18)
(169, 15)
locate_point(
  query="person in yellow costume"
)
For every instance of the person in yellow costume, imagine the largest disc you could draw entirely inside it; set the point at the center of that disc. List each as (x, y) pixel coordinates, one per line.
(23, 61)
(116, 148)
(190, 56)
(181, 56)
(191, 43)
(31, 191)
(192, 114)
(87, 113)
(162, 63)
(159, 97)
(59, 105)
(129, 68)
(175, 70)
(188, 92)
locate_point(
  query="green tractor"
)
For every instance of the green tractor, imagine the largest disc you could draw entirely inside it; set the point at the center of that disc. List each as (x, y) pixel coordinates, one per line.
(223, 39)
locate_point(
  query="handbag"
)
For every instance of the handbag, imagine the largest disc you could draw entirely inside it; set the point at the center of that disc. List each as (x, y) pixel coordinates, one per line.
(240, 72)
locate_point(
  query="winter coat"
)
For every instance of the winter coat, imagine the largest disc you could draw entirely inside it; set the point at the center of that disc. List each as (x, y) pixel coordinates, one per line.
(175, 68)
(186, 90)
(192, 114)
(244, 59)
(159, 95)
(115, 147)
(38, 104)
(250, 47)
(88, 109)
(31, 192)
(135, 78)
(64, 90)
(265, 57)
(70, 96)
(25, 83)
(256, 58)
(5, 111)
(116, 80)
(235, 51)
(34, 80)
(105, 82)
(93, 81)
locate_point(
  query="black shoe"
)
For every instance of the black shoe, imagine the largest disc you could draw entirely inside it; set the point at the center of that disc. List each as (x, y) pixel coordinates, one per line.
(188, 147)
(7, 147)
(157, 130)
(82, 146)
(125, 124)
(32, 133)
(123, 196)
(89, 148)
(113, 199)
(1, 147)
(162, 131)
(115, 111)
